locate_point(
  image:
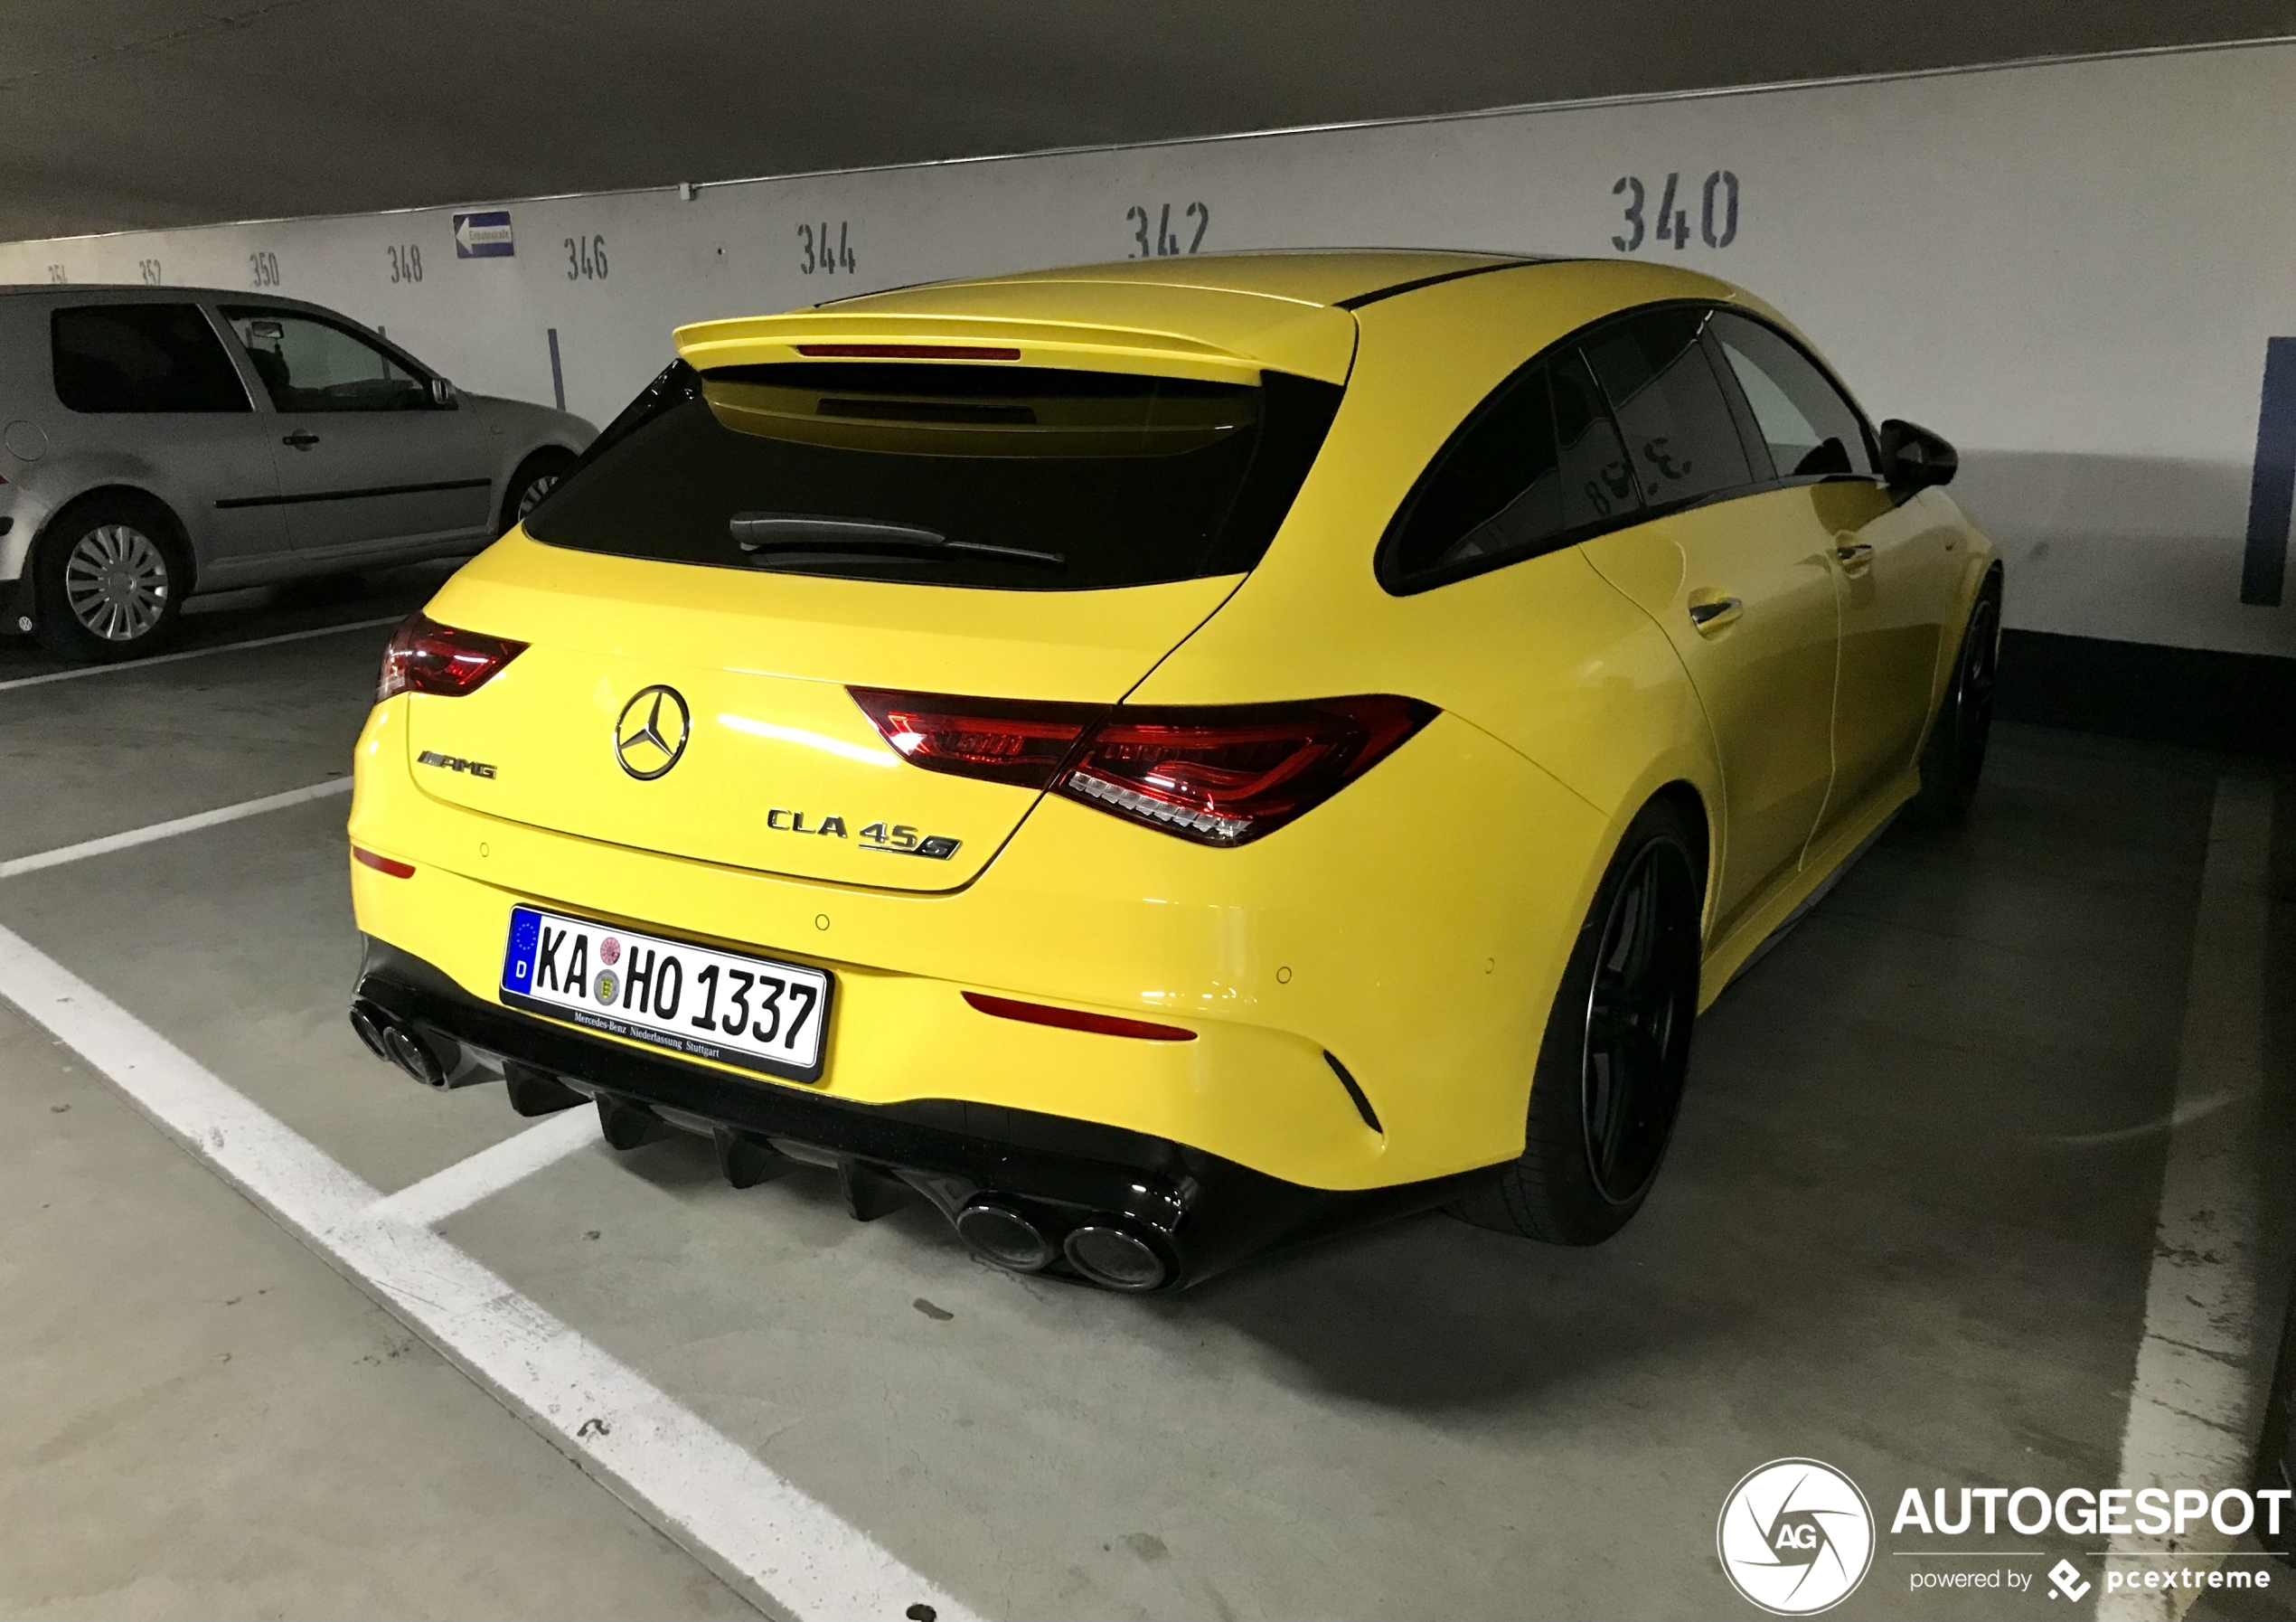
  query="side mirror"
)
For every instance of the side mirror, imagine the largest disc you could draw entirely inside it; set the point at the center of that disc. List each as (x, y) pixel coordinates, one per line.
(1913, 458)
(442, 393)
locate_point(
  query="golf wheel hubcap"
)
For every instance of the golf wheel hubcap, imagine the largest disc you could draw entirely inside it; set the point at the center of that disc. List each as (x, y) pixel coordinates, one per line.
(115, 582)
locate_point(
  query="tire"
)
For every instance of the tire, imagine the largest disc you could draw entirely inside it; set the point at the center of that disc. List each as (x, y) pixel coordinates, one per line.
(1592, 1147)
(536, 477)
(1953, 757)
(108, 580)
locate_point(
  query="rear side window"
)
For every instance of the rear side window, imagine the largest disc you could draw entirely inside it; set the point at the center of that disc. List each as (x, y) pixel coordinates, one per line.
(1812, 432)
(1536, 465)
(142, 357)
(1020, 478)
(1669, 406)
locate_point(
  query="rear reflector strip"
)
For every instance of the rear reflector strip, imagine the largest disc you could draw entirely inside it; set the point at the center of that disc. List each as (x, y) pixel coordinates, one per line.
(383, 864)
(1070, 1019)
(907, 351)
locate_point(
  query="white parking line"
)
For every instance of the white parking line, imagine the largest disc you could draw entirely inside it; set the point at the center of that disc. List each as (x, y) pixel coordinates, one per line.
(787, 1553)
(77, 671)
(2201, 1366)
(169, 830)
(490, 1171)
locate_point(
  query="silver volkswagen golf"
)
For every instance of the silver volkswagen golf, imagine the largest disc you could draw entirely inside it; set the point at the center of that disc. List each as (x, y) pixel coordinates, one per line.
(160, 441)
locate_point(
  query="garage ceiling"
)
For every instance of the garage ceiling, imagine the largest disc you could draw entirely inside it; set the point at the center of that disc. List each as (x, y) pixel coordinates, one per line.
(116, 114)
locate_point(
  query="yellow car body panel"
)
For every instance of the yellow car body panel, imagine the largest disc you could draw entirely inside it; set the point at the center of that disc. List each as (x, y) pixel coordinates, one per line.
(1408, 934)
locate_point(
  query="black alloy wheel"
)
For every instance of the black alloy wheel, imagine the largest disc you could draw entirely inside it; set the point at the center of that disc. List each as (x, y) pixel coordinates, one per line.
(1952, 760)
(1608, 1083)
(1629, 1077)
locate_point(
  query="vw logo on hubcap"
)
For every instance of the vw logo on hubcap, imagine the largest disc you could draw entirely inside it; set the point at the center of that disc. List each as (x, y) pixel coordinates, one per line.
(652, 732)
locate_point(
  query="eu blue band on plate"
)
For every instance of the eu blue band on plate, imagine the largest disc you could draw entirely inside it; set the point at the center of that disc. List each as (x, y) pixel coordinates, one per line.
(525, 934)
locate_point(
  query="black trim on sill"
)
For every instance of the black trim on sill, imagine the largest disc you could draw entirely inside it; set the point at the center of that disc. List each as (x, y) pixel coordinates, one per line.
(283, 501)
(2236, 703)
(1401, 288)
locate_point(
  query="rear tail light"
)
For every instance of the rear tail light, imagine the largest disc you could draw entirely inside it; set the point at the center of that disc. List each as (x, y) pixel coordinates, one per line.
(425, 657)
(996, 739)
(1219, 774)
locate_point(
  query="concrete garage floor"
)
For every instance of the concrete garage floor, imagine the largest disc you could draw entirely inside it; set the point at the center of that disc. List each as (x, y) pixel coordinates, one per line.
(1906, 1228)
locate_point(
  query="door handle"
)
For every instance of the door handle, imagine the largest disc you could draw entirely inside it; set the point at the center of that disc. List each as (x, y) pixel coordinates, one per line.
(303, 439)
(1854, 554)
(1707, 618)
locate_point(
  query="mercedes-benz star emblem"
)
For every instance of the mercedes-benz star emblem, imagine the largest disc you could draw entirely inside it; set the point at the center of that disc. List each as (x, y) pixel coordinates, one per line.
(652, 733)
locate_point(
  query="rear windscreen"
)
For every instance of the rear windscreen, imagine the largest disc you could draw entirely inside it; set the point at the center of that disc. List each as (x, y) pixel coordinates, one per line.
(1020, 478)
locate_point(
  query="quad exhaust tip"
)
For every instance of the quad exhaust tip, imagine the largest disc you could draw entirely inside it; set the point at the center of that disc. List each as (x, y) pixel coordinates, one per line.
(1115, 1257)
(419, 1056)
(1003, 1238)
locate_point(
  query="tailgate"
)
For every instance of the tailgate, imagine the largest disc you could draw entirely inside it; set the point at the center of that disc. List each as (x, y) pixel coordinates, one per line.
(779, 770)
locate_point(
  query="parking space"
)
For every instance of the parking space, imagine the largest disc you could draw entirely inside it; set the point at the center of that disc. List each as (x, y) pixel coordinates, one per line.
(1908, 1226)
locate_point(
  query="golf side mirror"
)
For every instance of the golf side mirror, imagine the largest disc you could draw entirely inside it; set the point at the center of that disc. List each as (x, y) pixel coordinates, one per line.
(442, 392)
(1913, 458)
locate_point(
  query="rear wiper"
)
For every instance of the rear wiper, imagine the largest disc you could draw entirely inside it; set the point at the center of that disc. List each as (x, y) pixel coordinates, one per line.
(791, 537)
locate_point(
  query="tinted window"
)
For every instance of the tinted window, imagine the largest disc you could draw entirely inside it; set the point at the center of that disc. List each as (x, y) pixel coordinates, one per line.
(1496, 488)
(945, 475)
(1670, 407)
(309, 365)
(1598, 486)
(1537, 464)
(142, 357)
(1810, 430)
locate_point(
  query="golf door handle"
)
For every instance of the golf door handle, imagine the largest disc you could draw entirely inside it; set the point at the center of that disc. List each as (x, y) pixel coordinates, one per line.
(303, 439)
(1712, 616)
(1854, 554)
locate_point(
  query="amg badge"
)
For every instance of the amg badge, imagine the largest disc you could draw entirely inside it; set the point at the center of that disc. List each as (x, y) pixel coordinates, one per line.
(895, 839)
(477, 768)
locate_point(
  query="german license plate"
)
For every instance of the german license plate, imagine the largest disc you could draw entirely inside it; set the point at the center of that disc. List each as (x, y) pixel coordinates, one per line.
(725, 1006)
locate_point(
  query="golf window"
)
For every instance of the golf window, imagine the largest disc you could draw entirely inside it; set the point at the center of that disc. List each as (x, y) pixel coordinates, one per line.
(310, 365)
(142, 357)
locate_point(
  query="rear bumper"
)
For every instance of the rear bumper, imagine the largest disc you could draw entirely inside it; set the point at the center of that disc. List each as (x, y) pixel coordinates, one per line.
(1420, 954)
(1203, 1213)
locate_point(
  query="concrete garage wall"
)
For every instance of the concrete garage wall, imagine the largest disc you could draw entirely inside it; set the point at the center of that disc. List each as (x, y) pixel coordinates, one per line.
(2071, 269)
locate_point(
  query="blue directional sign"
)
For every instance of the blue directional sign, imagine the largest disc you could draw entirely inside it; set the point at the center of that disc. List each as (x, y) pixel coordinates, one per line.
(483, 236)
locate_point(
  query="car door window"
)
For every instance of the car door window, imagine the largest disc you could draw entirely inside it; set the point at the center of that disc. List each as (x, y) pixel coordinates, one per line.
(142, 357)
(1670, 407)
(1535, 465)
(309, 365)
(1812, 432)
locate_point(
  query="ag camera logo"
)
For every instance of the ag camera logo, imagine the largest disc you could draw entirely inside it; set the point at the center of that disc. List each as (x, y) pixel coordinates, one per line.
(1795, 1537)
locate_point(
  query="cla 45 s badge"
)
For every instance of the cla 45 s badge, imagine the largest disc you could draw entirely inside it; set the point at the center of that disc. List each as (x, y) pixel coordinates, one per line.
(894, 839)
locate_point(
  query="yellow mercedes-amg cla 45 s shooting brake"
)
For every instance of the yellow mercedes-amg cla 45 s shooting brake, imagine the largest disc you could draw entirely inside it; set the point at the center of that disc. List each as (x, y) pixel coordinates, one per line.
(1168, 760)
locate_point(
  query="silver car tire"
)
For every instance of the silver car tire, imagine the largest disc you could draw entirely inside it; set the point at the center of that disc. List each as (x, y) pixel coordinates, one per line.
(109, 581)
